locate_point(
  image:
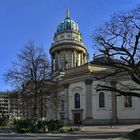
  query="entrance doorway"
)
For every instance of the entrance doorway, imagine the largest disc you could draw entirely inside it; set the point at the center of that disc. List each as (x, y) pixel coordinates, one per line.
(77, 118)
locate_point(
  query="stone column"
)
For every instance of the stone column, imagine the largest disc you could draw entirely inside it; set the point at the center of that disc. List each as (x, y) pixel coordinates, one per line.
(66, 106)
(89, 117)
(74, 59)
(114, 104)
(56, 61)
(66, 58)
(52, 65)
(82, 58)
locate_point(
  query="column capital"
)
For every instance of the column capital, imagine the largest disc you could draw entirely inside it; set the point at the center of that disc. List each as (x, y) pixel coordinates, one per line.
(88, 81)
(66, 85)
(113, 83)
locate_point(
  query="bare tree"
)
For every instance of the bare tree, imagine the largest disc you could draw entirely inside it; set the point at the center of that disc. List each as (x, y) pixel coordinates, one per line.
(29, 74)
(118, 40)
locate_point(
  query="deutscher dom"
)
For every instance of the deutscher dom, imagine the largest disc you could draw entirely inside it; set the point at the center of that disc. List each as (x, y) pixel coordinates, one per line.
(76, 85)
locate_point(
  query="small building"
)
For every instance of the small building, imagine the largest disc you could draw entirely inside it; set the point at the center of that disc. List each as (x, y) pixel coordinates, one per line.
(9, 105)
(4, 105)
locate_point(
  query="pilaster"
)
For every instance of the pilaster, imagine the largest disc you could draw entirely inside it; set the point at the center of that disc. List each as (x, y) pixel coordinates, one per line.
(74, 58)
(56, 60)
(66, 107)
(89, 117)
(82, 58)
(52, 65)
(114, 104)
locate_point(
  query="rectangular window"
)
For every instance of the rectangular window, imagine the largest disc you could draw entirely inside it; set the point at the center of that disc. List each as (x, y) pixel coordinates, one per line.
(62, 117)
(101, 100)
(127, 101)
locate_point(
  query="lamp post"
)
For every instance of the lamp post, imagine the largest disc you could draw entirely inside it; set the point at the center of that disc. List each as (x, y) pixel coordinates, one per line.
(110, 111)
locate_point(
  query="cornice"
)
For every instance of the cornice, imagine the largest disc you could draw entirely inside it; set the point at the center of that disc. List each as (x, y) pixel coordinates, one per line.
(69, 44)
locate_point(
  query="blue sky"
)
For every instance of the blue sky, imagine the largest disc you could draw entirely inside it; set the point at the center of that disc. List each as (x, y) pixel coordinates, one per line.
(24, 20)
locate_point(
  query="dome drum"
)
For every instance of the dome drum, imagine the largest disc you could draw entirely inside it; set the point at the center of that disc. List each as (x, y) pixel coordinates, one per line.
(67, 58)
(67, 50)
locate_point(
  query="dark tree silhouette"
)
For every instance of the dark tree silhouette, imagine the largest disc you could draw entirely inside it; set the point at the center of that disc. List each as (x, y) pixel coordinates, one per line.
(29, 75)
(118, 40)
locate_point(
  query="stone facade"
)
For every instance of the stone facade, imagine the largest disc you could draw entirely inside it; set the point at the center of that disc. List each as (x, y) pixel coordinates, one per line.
(90, 112)
(76, 86)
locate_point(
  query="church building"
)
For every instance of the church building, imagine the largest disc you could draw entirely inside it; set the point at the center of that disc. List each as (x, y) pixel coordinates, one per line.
(80, 102)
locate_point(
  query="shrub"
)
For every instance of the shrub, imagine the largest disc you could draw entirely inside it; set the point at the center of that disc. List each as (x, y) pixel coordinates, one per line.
(41, 124)
(134, 135)
(27, 126)
(67, 129)
(22, 127)
(4, 121)
(37, 125)
(61, 130)
(54, 125)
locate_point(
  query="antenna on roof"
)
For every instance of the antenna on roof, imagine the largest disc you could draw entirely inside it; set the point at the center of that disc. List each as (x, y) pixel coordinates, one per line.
(67, 13)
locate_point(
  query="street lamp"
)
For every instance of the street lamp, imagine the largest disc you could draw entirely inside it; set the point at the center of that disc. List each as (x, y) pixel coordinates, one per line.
(110, 111)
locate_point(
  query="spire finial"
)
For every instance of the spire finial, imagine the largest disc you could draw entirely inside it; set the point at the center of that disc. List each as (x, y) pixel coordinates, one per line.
(67, 13)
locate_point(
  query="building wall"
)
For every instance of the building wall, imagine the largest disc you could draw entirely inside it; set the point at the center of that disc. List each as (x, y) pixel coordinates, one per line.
(60, 112)
(122, 112)
(78, 87)
(128, 113)
(100, 113)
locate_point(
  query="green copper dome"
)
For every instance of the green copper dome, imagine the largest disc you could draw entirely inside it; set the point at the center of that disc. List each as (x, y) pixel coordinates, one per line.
(67, 24)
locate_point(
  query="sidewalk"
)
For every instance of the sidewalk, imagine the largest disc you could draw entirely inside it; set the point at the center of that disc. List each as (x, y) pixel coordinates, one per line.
(105, 129)
(87, 131)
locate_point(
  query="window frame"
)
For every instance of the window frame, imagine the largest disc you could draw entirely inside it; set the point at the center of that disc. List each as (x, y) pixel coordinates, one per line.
(101, 100)
(77, 100)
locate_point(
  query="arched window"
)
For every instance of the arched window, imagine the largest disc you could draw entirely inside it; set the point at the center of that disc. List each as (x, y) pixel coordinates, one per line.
(101, 100)
(77, 100)
(62, 105)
